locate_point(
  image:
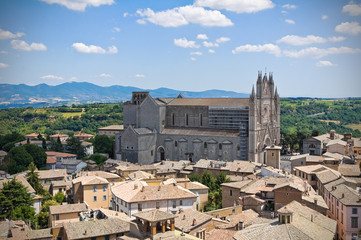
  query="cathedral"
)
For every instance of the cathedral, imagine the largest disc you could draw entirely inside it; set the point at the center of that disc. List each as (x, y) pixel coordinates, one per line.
(227, 129)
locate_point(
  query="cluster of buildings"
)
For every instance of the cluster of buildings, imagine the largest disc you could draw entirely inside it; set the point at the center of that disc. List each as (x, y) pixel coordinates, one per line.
(145, 193)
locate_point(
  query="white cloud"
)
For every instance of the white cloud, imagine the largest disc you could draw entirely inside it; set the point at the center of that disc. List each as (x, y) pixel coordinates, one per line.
(73, 79)
(193, 58)
(352, 28)
(141, 21)
(139, 75)
(352, 8)
(3, 65)
(299, 41)
(125, 14)
(184, 15)
(283, 11)
(325, 64)
(268, 48)
(202, 36)
(196, 53)
(289, 6)
(79, 5)
(81, 47)
(309, 39)
(8, 35)
(105, 75)
(184, 43)
(324, 17)
(116, 29)
(238, 6)
(211, 51)
(222, 39)
(24, 46)
(336, 39)
(210, 44)
(53, 77)
(3, 52)
(315, 52)
(290, 21)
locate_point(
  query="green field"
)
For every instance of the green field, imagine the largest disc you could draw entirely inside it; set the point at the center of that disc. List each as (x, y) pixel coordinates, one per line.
(354, 126)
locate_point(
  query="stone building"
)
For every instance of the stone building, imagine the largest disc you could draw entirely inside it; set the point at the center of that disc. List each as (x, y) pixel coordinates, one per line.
(180, 128)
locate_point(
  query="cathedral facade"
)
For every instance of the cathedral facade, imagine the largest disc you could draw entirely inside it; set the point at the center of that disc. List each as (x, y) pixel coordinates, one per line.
(181, 128)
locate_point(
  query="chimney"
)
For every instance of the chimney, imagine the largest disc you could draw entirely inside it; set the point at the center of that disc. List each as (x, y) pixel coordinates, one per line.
(85, 232)
(240, 225)
(142, 189)
(343, 195)
(135, 186)
(315, 201)
(159, 188)
(194, 221)
(184, 217)
(311, 218)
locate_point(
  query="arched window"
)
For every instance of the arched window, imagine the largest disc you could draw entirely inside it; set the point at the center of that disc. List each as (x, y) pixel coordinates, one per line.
(205, 148)
(200, 119)
(173, 119)
(186, 119)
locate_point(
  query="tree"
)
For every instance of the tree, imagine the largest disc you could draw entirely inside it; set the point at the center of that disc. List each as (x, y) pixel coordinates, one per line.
(43, 216)
(56, 146)
(38, 154)
(16, 202)
(33, 179)
(59, 197)
(98, 158)
(208, 180)
(43, 144)
(40, 137)
(103, 144)
(17, 160)
(74, 146)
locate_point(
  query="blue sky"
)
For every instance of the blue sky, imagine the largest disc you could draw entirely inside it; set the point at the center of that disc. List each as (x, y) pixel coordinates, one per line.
(313, 48)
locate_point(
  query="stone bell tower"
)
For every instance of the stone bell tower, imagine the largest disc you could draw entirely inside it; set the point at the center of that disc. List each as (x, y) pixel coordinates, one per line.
(264, 117)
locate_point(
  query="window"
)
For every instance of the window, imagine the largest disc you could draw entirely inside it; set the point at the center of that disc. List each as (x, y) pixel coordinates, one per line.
(93, 238)
(180, 202)
(230, 192)
(186, 119)
(106, 237)
(220, 146)
(201, 119)
(104, 188)
(354, 210)
(104, 197)
(95, 188)
(157, 205)
(112, 181)
(313, 177)
(57, 216)
(174, 204)
(94, 198)
(175, 144)
(354, 222)
(151, 153)
(173, 119)
(342, 217)
(139, 207)
(273, 154)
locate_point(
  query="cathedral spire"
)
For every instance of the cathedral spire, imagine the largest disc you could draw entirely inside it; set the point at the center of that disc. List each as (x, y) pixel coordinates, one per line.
(259, 79)
(276, 94)
(253, 93)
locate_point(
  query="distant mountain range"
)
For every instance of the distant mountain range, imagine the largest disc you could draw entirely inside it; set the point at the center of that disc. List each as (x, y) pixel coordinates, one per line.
(41, 95)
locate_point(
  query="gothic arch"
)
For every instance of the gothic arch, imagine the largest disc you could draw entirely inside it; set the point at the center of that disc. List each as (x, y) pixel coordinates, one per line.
(160, 153)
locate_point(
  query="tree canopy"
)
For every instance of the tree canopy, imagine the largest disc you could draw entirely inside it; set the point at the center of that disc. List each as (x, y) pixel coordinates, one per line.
(16, 202)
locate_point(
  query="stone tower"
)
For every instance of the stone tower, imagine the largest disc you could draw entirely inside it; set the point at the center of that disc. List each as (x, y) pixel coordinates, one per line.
(264, 117)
